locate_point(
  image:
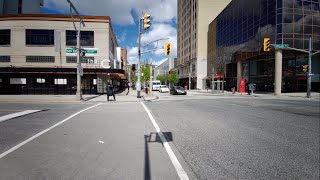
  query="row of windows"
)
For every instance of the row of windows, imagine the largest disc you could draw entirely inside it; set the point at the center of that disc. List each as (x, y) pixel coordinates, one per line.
(46, 37)
(242, 22)
(57, 81)
(49, 59)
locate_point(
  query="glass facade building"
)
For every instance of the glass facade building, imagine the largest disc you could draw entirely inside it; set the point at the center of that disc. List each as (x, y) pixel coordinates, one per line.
(238, 36)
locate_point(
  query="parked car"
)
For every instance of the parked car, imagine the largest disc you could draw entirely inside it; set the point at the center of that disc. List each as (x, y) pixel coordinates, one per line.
(177, 90)
(164, 89)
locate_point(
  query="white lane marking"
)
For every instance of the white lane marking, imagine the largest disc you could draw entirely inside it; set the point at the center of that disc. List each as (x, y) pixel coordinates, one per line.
(181, 173)
(44, 131)
(18, 114)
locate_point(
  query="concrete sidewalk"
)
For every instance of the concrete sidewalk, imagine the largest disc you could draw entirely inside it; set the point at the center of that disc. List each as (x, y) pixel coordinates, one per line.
(300, 95)
(121, 97)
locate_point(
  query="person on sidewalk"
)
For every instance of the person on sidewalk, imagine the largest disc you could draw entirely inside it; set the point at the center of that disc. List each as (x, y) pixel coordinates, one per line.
(128, 86)
(110, 92)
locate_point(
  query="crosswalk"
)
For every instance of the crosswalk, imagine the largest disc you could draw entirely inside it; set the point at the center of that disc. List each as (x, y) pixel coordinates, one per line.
(17, 114)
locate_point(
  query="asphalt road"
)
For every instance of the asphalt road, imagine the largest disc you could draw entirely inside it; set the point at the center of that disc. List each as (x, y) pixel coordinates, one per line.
(243, 138)
(213, 137)
(16, 130)
(109, 141)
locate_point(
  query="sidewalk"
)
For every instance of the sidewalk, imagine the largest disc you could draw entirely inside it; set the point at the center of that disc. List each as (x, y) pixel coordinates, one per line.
(301, 95)
(121, 97)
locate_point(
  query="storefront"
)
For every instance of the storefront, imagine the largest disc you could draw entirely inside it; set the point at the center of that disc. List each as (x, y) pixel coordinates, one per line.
(58, 80)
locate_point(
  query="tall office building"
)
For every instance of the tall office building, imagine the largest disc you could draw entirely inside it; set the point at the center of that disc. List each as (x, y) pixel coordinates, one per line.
(21, 6)
(194, 17)
(236, 39)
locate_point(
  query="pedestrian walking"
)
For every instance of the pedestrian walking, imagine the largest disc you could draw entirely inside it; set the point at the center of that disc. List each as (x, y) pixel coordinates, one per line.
(109, 89)
(128, 86)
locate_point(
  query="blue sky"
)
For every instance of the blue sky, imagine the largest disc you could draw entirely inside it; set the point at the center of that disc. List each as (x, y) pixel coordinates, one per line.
(124, 18)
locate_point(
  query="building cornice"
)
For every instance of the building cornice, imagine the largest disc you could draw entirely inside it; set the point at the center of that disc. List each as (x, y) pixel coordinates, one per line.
(53, 17)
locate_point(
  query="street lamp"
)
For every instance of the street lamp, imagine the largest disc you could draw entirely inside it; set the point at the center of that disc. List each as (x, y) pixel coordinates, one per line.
(79, 69)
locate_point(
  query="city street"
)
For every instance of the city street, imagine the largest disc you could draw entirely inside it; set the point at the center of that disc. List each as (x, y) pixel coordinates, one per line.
(210, 137)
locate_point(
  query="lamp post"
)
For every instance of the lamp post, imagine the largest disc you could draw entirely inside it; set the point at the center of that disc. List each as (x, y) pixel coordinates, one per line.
(79, 92)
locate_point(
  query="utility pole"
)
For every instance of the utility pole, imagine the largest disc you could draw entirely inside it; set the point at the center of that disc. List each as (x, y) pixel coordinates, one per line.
(145, 17)
(139, 54)
(150, 81)
(190, 76)
(79, 92)
(309, 72)
(310, 54)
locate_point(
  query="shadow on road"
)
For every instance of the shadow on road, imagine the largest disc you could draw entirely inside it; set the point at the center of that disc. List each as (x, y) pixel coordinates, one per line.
(92, 97)
(152, 138)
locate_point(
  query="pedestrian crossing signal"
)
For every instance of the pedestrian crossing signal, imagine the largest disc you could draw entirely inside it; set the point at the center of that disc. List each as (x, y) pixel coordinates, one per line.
(133, 68)
(305, 68)
(167, 49)
(266, 44)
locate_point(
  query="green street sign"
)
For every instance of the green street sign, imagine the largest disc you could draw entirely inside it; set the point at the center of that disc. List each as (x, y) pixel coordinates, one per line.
(88, 51)
(282, 46)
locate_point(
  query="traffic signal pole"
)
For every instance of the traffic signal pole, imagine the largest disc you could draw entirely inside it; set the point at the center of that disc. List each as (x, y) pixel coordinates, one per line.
(310, 54)
(309, 72)
(138, 85)
(72, 7)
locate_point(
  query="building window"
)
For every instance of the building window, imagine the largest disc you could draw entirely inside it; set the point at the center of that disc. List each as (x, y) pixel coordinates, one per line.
(20, 7)
(4, 58)
(86, 38)
(41, 80)
(5, 37)
(40, 59)
(39, 37)
(60, 81)
(111, 49)
(18, 81)
(73, 59)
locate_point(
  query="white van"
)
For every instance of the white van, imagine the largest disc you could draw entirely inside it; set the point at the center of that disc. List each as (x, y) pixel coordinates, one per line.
(156, 85)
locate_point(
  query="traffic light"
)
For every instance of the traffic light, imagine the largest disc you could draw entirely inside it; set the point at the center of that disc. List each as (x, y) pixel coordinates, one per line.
(305, 68)
(146, 21)
(133, 67)
(266, 44)
(167, 49)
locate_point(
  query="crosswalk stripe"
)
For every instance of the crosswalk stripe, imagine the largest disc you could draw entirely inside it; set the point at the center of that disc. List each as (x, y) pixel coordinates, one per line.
(18, 114)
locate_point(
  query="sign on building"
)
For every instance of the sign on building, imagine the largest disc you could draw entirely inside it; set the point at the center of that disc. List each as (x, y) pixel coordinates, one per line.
(88, 51)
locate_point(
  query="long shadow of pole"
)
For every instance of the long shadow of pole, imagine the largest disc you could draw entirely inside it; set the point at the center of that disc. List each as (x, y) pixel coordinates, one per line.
(146, 159)
(156, 139)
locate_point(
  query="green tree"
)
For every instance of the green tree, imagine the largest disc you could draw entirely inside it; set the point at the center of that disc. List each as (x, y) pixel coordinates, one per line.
(173, 78)
(145, 70)
(162, 78)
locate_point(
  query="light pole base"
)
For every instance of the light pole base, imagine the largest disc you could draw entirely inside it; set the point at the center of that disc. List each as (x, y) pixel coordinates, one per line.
(138, 94)
(79, 96)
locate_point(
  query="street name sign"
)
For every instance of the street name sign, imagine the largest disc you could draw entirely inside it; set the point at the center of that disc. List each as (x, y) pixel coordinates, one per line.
(282, 46)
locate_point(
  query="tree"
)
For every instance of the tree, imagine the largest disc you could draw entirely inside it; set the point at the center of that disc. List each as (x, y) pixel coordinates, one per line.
(162, 78)
(173, 78)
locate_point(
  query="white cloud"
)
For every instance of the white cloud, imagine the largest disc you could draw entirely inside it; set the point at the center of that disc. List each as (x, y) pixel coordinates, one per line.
(132, 55)
(159, 31)
(120, 11)
(122, 37)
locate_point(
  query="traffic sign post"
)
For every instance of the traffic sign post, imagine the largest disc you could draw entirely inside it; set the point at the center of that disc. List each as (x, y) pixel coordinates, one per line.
(306, 68)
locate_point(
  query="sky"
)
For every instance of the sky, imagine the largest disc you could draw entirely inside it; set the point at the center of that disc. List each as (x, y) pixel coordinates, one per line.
(124, 16)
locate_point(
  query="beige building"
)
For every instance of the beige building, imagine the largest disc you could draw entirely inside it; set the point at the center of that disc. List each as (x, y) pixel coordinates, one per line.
(38, 55)
(194, 17)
